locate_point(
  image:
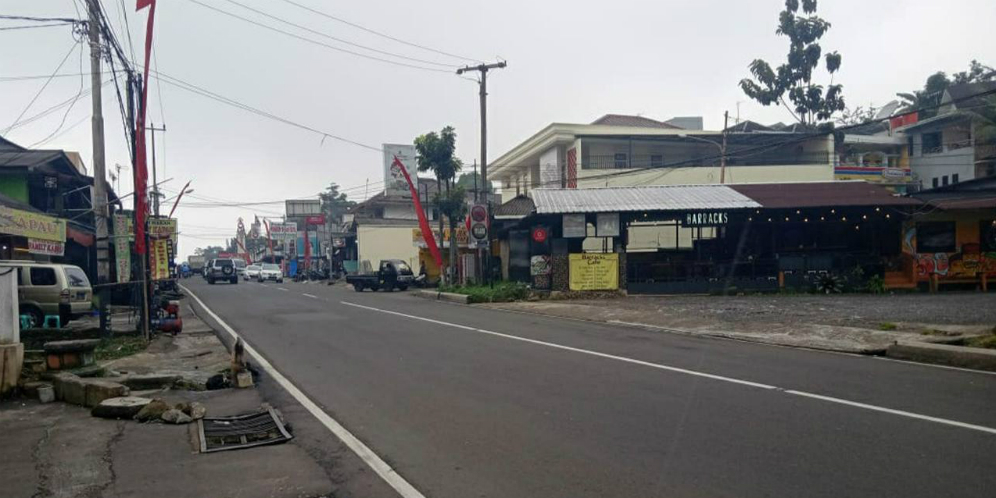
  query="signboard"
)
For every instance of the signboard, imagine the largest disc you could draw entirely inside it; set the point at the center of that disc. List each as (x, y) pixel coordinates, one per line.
(46, 247)
(159, 259)
(31, 225)
(607, 225)
(161, 228)
(479, 231)
(461, 236)
(338, 242)
(540, 234)
(282, 231)
(123, 234)
(315, 220)
(594, 272)
(549, 169)
(302, 207)
(394, 179)
(539, 265)
(705, 219)
(895, 173)
(575, 226)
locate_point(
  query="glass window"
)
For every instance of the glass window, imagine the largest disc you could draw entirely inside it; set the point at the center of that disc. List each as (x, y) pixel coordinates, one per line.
(935, 236)
(620, 160)
(935, 182)
(403, 267)
(240, 263)
(271, 267)
(42, 276)
(932, 143)
(987, 235)
(954, 178)
(944, 180)
(76, 277)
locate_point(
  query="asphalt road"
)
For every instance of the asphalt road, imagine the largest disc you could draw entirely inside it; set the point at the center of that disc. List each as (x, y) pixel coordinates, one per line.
(465, 402)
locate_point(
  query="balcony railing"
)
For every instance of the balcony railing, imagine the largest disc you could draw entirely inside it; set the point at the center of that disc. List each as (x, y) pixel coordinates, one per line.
(625, 161)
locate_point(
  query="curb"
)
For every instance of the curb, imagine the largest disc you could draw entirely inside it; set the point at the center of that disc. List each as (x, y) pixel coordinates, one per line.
(943, 354)
(443, 296)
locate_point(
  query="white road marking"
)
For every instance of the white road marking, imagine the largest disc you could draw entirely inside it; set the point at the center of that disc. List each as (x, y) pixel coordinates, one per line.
(393, 479)
(944, 421)
(310, 295)
(283, 289)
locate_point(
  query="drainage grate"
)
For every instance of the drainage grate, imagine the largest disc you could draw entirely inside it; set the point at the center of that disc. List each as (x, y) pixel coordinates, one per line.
(241, 431)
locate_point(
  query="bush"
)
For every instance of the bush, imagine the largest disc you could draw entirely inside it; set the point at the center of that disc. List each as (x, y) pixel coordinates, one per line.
(501, 292)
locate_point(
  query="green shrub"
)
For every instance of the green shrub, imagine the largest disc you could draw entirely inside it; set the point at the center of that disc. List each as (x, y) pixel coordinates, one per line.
(875, 285)
(501, 292)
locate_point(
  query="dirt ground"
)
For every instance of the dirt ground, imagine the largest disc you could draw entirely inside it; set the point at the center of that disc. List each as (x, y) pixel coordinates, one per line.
(854, 323)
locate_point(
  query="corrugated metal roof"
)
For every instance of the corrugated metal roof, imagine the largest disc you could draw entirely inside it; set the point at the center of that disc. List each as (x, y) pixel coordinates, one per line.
(643, 198)
(821, 194)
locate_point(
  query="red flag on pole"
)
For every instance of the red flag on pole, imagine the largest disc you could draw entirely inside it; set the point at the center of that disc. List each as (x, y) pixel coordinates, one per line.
(141, 171)
(423, 223)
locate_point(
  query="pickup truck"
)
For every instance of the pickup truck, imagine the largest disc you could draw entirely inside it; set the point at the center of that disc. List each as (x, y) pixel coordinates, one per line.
(392, 274)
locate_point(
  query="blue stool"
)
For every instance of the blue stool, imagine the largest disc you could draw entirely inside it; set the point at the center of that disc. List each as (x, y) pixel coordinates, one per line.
(52, 322)
(25, 322)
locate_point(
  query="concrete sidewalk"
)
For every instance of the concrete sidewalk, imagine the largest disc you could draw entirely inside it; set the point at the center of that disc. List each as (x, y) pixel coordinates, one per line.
(60, 450)
(849, 323)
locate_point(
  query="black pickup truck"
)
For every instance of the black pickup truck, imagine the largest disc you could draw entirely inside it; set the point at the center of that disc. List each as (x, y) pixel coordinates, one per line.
(392, 274)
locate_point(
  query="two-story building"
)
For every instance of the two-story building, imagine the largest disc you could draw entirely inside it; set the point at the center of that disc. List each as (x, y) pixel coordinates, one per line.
(946, 149)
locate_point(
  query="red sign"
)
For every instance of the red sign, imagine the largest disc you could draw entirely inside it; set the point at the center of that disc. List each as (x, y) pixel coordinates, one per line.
(478, 213)
(540, 234)
(315, 220)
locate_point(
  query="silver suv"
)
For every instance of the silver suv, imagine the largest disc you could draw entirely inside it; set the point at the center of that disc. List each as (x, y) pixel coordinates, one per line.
(221, 269)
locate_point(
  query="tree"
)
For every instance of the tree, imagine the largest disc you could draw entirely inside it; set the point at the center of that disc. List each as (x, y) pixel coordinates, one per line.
(453, 205)
(209, 252)
(858, 115)
(436, 153)
(334, 203)
(472, 181)
(811, 104)
(926, 101)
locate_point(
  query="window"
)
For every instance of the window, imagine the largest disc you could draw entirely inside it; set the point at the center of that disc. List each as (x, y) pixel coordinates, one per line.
(909, 146)
(944, 180)
(932, 143)
(76, 277)
(620, 160)
(954, 178)
(987, 235)
(935, 236)
(656, 161)
(42, 276)
(935, 183)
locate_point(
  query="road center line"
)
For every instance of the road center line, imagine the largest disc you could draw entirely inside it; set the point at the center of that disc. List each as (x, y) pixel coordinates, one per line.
(388, 474)
(310, 295)
(283, 289)
(855, 404)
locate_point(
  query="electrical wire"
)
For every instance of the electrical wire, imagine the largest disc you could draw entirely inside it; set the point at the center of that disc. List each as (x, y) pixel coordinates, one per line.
(69, 109)
(31, 26)
(63, 132)
(40, 90)
(382, 35)
(42, 19)
(316, 42)
(340, 40)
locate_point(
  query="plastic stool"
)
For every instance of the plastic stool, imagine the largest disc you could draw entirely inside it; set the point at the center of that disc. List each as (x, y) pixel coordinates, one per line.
(25, 322)
(52, 319)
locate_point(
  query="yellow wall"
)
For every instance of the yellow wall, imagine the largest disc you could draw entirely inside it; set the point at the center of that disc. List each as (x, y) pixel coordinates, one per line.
(377, 242)
(707, 174)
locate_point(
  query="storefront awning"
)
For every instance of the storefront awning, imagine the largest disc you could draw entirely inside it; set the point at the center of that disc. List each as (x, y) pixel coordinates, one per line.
(643, 198)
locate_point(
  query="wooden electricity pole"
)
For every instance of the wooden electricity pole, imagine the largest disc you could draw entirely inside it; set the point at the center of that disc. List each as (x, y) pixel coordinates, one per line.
(98, 200)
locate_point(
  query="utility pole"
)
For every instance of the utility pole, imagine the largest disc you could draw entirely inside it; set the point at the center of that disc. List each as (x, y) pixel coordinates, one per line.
(483, 69)
(722, 159)
(99, 198)
(143, 260)
(155, 185)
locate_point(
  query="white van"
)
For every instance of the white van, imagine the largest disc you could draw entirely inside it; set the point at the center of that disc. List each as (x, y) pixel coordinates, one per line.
(51, 289)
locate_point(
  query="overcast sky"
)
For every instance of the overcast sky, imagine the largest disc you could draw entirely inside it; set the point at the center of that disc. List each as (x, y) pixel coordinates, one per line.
(568, 61)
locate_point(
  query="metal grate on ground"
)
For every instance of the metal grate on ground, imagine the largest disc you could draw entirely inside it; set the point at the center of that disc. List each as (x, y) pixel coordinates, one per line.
(241, 431)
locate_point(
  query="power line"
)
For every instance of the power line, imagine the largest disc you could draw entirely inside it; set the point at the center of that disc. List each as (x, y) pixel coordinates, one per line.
(316, 42)
(42, 89)
(31, 26)
(340, 40)
(43, 19)
(382, 35)
(69, 109)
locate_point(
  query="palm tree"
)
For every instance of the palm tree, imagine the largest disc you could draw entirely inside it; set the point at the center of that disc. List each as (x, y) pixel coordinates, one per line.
(436, 154)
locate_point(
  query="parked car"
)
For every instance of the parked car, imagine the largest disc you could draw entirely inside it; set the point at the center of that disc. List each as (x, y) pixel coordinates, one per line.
(204, 270)
(50, 289)
(391, 274)
(270, 271)
(252, 272)
(222, 269)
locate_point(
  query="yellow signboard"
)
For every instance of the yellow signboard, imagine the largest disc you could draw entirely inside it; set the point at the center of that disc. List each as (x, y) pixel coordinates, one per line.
(160, 259)
(594, 272)
(31, 225)
(161, 228)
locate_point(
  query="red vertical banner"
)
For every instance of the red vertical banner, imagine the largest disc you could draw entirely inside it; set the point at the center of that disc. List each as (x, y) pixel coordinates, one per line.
(423, 223)
(141, 171)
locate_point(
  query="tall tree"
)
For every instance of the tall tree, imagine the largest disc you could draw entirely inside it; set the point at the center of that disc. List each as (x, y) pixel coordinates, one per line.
(925, 101)
(471, 181)
(436, 153)
(810, 103)
(334, 203)
(209, 252)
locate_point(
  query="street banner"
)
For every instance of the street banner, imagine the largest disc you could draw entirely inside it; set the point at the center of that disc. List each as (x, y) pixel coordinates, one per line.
(395, 183)
(122, 247)
(283, 231)
(594, 272)
(160, 259)
(31, 225)
(46, 247)
(423, 222)
(141, 173)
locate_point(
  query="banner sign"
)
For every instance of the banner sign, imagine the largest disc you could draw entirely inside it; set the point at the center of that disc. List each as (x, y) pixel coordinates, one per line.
(394, 180)
(283, 230)
(575, 226)
(46, 247)
(539, 265)
(159, 259)
(594, 272)
(123, 236)
(607, 225)
(31, 225)
(161, 228)
(462, 237)
(315, 219)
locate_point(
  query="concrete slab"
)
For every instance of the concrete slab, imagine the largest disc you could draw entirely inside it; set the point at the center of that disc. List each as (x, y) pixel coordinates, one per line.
(443, 296)
(943, 354)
